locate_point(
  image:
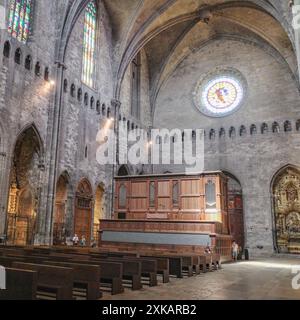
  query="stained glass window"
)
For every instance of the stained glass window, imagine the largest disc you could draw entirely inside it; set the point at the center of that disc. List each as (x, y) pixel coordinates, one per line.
(222, 95)
(221, 92)
(89, 42)
(19, 19)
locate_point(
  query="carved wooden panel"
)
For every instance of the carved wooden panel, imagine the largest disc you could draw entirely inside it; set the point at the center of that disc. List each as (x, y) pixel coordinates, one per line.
(287, 210)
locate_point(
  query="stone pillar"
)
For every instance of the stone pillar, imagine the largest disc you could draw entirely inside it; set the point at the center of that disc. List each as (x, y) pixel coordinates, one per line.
(4, 177)
(116, 104)
(45, 226)
(69, 220)
(295, 5)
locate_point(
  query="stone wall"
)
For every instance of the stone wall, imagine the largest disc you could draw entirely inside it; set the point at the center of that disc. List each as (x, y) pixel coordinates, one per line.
(253, 159)
(27, 98)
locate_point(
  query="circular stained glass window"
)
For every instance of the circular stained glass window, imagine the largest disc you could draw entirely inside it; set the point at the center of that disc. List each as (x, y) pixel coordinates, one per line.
(221, 94)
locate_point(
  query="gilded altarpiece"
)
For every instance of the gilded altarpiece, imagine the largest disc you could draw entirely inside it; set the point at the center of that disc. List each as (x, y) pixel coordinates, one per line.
(287, 210)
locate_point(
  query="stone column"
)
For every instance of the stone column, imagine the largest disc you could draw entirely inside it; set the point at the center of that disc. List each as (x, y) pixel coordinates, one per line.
(45, 227)
(295, 6)
(4, 177)
(69, 221)
(116, 104)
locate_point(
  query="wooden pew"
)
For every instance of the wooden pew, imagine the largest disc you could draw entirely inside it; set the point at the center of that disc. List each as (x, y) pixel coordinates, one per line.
(149, 268)
(20, 285)
(111, 273)
(163, 268)
(58, 279)
(7, 262)
(162, 264)
(88, 275)
(132, 270)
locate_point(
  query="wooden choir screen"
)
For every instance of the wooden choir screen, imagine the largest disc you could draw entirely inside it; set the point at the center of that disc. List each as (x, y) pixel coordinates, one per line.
(173, 197)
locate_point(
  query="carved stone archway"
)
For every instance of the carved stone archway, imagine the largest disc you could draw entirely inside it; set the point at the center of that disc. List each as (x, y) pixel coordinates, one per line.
(24, 192)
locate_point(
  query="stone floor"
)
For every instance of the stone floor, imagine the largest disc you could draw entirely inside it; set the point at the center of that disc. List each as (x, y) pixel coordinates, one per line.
(258, 280)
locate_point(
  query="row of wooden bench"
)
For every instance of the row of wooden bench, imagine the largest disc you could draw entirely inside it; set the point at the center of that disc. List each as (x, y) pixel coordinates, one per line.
(62, 273)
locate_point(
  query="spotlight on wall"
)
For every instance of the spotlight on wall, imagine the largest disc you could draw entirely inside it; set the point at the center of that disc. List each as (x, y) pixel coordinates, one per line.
(52, 82)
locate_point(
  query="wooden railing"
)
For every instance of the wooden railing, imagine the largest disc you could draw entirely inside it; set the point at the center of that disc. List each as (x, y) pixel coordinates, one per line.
(205, 227)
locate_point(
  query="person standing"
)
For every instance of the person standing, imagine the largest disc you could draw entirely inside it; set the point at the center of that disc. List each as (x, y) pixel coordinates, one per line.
(235, 250)
(75, 240)
(83, 241)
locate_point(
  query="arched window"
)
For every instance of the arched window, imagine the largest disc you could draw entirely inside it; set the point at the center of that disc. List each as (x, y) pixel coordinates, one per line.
(212, 134)
(108, 113)
(19, 19)
(73, 90)
(46, 74)
(222, 133)
(6, 49)
(253, 129)
(123, 171)
(79, 94)
(298, 125)
(275, 127)
(128, 125)
(287, 126)
(37, 69)
(243, 131)
(28, 62)
(65, 85)
(89, 42)
(103, 109)
(98, 107)
(232, 132)
(18, 55)
(92, 102)
(86, 99)
(193, 134)
(264, 128)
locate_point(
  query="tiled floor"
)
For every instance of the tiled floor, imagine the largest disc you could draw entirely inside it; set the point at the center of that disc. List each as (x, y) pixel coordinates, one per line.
(261, 279)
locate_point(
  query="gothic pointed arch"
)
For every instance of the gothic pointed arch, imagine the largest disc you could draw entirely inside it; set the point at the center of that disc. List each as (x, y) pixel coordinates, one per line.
(123, 171)
(25, 183)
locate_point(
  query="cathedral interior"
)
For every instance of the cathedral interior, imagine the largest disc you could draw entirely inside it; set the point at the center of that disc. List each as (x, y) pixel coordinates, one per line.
(71, 69)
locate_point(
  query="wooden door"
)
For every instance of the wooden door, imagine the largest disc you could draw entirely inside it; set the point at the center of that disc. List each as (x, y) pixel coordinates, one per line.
(21, 234)
(83, 218)
(83, 211)
(59, 224)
